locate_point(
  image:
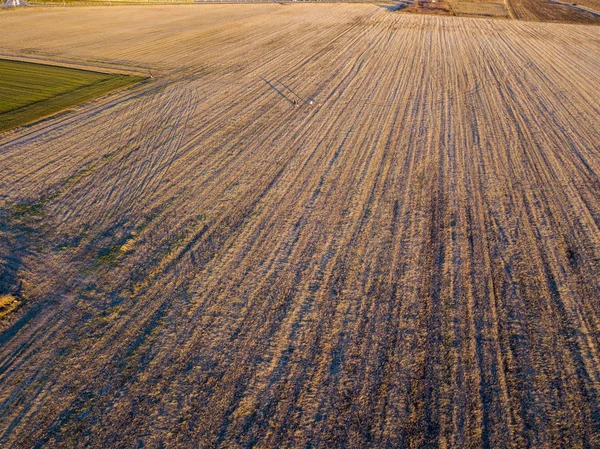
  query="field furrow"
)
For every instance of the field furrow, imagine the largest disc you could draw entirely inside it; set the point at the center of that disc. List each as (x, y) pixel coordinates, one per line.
(316, 226)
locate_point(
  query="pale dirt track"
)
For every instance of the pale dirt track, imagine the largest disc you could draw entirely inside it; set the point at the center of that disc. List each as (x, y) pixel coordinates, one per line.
(410, 261)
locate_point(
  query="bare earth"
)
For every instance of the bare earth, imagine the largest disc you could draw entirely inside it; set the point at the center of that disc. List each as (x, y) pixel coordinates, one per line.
(317, 226)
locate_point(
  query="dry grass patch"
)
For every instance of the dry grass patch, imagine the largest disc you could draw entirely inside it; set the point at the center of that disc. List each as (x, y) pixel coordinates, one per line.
(8, 304)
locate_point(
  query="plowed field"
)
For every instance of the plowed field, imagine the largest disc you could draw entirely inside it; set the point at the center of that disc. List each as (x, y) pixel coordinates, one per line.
(317, 226)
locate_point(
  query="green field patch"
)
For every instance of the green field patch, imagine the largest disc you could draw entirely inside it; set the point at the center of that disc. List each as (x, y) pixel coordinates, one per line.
(30, 91)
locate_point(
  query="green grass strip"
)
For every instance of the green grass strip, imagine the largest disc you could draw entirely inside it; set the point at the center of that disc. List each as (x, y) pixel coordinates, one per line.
(29, 91)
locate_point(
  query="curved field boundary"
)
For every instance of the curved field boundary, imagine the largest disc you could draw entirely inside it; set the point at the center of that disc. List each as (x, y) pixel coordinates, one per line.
(582, 8)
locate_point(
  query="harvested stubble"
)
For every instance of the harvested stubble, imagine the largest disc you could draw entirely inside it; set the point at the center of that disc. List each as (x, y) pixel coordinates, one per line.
(558, 11)
(409, 261)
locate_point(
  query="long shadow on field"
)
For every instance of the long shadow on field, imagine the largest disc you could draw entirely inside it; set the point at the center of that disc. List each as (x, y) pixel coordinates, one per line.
(289, 100)
(18, 235)
(14, 243)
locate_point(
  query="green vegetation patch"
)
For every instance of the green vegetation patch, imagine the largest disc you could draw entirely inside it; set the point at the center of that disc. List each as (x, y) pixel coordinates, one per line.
(31, 91)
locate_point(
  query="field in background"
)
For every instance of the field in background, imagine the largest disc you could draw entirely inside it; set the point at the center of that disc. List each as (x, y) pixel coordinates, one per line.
(572, 11)
(531, 10)
(591, 4)
(318, 226)
(30, 91)
(550, 10)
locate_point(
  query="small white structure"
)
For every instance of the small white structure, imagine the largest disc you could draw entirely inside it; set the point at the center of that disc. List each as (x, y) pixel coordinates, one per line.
(13, 3)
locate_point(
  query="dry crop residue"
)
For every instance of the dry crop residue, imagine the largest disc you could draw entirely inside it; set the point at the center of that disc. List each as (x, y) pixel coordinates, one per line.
(550, 10)
(319, 226)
